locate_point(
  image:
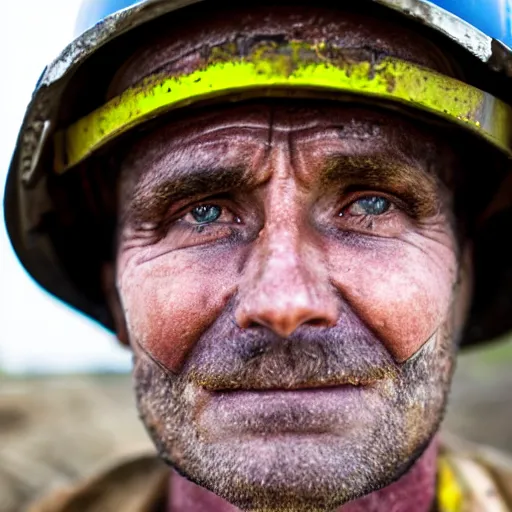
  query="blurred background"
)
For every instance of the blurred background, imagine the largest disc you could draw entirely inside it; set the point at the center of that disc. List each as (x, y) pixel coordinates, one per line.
(66, 405)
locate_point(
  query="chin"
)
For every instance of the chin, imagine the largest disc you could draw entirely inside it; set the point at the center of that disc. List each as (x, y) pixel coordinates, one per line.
(293, 472)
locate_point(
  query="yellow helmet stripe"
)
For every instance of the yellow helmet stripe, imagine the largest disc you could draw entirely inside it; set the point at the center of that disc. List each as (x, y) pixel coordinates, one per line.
(296, 69)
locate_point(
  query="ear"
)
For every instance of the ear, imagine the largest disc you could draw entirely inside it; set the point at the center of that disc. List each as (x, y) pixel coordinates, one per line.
(108, 281)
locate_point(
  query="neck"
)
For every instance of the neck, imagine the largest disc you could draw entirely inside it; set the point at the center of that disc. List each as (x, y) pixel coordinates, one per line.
(416, 490)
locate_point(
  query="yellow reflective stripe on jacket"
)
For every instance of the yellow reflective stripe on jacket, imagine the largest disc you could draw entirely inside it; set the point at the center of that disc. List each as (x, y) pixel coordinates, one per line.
(449, 493)
(465, 485)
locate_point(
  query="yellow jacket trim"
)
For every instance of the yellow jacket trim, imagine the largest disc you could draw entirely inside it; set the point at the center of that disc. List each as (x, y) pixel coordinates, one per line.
(450, 495)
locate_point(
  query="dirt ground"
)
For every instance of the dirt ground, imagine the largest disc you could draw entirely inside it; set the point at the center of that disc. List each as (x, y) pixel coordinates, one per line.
(54, 430)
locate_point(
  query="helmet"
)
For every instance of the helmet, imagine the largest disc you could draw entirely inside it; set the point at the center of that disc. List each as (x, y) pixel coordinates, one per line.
(68, 125)
(492, 17)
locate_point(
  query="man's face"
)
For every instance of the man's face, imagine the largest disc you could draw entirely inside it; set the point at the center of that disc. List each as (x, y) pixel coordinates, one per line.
(289, 278)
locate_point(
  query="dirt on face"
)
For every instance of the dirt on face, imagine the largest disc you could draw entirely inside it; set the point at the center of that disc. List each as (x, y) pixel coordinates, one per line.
(291, 282)
(284, 327)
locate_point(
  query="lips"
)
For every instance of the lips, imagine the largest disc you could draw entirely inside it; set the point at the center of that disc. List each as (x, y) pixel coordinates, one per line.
(267, 413)
(291, 385)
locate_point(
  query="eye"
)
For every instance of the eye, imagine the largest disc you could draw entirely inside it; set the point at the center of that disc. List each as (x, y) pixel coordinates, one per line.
(370, 205)
(206, 214)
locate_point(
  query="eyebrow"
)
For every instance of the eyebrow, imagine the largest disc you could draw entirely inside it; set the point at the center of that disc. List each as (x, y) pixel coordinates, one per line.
(153, 197)
(403, 177)
(406, 178)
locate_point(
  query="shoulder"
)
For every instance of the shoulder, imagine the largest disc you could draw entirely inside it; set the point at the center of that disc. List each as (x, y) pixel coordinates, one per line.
(483, 475)
(135, 485)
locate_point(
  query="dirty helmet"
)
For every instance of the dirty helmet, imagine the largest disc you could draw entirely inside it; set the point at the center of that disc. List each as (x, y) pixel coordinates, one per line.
(61, 229)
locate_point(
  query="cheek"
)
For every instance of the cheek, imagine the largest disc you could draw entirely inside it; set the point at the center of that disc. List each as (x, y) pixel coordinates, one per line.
(402, 291)
(170, 301)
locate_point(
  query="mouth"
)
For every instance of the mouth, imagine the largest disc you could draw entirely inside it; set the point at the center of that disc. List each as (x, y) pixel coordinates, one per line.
(280, 385)
(292, 388)
(274, 412)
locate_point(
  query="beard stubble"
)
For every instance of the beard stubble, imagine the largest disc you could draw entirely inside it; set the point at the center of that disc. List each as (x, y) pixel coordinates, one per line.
(359, 445)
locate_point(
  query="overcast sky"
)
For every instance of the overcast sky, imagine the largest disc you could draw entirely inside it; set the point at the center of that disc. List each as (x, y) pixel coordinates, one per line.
(38, 333)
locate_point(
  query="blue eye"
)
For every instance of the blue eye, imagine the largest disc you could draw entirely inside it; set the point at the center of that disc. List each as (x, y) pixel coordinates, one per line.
(371, 205)
(205, 214)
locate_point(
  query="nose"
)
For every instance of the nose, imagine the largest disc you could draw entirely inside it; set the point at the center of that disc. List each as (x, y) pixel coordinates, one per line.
(286, 286)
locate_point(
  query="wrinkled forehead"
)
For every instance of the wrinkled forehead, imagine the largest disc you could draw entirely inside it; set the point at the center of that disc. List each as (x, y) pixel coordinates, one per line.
(299, 120)
(231, 136)
(178, 48)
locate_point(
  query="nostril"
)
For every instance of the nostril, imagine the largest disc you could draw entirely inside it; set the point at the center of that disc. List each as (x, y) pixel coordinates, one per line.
(253, 325)
(318, 322)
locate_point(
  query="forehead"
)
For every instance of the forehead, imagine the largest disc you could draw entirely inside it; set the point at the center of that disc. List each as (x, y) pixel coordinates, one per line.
(177, 47)
(240, 135)
(300, 121)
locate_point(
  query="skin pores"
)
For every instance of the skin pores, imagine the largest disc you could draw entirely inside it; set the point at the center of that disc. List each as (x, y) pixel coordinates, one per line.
(289, 278)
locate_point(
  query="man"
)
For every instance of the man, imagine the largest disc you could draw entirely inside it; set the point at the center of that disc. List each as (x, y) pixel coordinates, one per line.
(281, 209)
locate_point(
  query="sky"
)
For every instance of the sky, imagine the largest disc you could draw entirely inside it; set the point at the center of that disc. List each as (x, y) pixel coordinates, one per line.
(38, 333)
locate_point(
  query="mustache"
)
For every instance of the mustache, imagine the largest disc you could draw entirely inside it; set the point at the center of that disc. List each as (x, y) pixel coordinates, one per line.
(228, 358)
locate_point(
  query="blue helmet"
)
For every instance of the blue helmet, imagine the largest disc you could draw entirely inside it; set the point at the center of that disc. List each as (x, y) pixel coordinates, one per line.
(94, 11)
(492, 17)
(481, 31)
